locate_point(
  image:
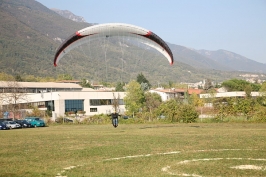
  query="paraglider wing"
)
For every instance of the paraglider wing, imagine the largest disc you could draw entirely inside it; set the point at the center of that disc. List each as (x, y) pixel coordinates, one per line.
(112, 29)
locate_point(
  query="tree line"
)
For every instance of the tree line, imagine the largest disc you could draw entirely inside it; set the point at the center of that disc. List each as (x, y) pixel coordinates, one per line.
(149, 106)
(140, 103)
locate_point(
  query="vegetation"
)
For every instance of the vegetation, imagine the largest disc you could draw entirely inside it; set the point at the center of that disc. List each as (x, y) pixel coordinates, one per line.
(152, 102)
(134, 98)
(119, 87)
(201, 149)
(240, 85)
(115, 102)
(249, 108)
(145, 84)
(85, 84)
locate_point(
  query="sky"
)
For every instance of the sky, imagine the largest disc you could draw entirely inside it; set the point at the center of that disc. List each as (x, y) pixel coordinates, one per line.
(237, 26)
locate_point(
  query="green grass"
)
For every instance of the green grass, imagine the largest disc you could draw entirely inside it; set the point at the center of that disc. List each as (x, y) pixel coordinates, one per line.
(202, 149)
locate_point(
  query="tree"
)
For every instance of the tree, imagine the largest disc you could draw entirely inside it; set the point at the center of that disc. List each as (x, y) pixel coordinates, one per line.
(195, 100)
(170, 83)
(134, 98)
(119, 87)
(262, 99)
(12, 96)
(239, 85)
(152, 102)
(208, 84)
(84, 83)
(263, 87)
(141, 79)
(225, 107)
(18, 78)
(187, 113)
(169, 109)
(64, 77)
(115, 102)
(30, 78)
(36, 112)
(6, 77)
(246, 107)
(248, 90)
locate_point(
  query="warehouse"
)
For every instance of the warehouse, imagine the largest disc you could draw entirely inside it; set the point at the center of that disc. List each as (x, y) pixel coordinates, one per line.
(61, 98)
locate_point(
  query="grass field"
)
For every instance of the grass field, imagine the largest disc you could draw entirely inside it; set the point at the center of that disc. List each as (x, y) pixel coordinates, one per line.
(198, 149)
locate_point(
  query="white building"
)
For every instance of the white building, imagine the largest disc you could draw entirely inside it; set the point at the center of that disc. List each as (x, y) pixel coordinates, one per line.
(167, 94)
(228, 94)
(64, 97)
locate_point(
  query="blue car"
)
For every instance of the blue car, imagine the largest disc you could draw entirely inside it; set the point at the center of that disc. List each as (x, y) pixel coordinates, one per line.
(3, 126)
(35, 121)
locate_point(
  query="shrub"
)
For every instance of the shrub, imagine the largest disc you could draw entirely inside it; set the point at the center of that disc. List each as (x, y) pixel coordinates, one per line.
(260, 115)
(187, 113)
(97, 119)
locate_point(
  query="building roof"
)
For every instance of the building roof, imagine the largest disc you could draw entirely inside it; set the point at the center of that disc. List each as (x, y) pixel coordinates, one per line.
(69, 81)
(88, 90)
(4, 84)
(196, 91)
(172, 90)
(229, 94)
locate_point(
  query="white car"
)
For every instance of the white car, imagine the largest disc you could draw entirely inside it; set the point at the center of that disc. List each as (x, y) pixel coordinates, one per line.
(12, 124)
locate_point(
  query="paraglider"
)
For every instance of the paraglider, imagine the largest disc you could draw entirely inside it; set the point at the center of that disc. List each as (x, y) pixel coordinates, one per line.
(114, 117)
(113, 29)
(106, 31)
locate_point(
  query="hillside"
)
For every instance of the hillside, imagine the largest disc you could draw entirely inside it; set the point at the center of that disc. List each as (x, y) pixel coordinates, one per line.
(69, 15)
(30, 34)
(234, 61)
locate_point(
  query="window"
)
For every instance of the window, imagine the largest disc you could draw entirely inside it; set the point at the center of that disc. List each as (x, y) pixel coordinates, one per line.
(99, 102)
(93, 109)
(49, 105)
(74, 105)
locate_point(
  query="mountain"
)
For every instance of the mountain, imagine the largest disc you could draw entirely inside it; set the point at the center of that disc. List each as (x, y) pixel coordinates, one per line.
(193, 58)
(234, 61)
(218, 60)
(30, 33)
(69, 15)
(29, 36)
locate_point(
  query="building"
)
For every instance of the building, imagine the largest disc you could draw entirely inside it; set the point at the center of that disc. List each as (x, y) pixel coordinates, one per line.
(62, 97)
(167, 94)
(228, 94)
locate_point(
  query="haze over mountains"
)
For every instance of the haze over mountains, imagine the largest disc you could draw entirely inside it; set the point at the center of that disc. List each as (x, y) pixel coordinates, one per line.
(30, 34)
(220, 59)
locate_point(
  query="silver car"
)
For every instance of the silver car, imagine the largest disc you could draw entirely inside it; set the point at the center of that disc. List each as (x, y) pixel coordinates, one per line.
(12, 124)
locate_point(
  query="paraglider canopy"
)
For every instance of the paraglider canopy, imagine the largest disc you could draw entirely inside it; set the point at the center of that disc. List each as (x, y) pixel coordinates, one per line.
(109, 30)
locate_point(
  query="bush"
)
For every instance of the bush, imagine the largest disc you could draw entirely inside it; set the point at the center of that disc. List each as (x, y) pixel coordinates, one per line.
(187, 114)
(97, 119)
(260, 115)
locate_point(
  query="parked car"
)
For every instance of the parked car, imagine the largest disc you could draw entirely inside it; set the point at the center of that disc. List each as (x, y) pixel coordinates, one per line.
(12, 124)
(35, 121)
(24, 123)
(5, 119)
(3, 126)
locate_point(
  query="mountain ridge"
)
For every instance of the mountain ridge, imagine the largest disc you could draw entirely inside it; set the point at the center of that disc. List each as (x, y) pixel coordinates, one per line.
(212, 60)
(69, 15)
(30, 34)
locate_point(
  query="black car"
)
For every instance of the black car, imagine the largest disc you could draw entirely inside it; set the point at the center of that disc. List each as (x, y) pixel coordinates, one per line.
(23, 123)
(3, 126)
